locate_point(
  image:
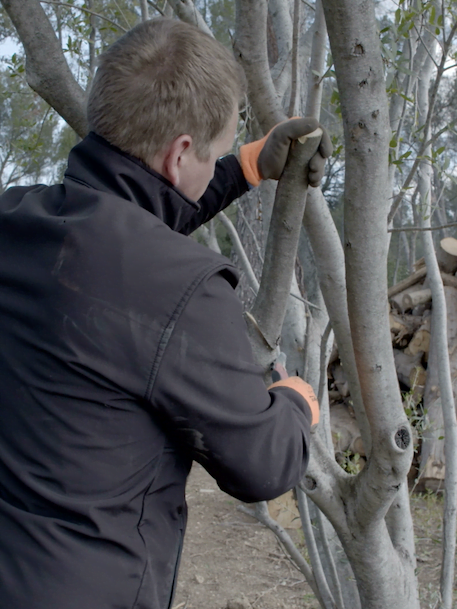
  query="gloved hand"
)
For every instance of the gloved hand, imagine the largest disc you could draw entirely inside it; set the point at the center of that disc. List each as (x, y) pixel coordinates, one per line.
(266, 158)
(305, 390)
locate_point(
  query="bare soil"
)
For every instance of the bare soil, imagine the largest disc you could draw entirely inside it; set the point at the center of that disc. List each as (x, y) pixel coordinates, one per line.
(230, 561)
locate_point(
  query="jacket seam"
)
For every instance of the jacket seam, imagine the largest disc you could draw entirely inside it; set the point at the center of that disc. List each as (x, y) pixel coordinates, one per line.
(168, 330)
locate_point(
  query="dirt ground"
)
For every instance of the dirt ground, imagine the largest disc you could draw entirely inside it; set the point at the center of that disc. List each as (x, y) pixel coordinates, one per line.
(228, 556)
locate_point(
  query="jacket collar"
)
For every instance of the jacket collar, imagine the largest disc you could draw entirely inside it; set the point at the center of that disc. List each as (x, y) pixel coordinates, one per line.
(99, 165)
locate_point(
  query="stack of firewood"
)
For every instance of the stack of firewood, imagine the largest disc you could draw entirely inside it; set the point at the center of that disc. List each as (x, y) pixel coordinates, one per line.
(411, 319)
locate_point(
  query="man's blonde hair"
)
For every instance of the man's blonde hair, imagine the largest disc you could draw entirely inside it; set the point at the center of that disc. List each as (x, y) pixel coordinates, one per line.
(163, 79)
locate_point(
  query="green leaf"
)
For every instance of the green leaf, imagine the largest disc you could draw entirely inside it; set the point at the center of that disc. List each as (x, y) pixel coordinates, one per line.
(441, 150)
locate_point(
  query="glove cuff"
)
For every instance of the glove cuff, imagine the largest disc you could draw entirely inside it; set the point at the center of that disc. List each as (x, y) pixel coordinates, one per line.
(249, 154)
(305, 390)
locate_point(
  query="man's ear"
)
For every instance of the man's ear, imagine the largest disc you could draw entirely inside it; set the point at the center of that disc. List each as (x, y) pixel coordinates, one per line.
(170, 161)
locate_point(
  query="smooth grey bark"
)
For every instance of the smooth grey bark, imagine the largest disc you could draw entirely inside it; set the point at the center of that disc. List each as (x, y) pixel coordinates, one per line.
(329, 256)
(241, 253)
(317, 63)
(144, 10)
(281, 249)
(262, 515)
(319, 575)
(440, 346)
(355, 47)
(281, 21)
(188, 12)
(47, 71)
(251, 49)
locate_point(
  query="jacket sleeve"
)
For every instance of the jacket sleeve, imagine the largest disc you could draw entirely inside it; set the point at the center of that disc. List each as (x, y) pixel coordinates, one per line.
(211, 397)
(227, 185)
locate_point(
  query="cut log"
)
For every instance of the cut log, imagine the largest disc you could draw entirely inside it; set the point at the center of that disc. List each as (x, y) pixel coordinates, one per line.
(396, 301)
(403, 327)
(340, 380)
(419, 264)
(420, 343)
(284, 510)
(446, 255)
(450, 280)
(345, 431)
(407, 283)
(410, 371)
(412, 299)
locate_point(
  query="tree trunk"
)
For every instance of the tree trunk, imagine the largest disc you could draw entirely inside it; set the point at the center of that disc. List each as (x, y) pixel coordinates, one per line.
(392, 583)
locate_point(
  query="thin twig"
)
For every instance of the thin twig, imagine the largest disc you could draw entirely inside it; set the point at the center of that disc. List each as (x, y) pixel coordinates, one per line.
(418, 229)
(306, 302)
(156, 7)
(86, 10)
(262, 515)
(309, 5)
(251, 230)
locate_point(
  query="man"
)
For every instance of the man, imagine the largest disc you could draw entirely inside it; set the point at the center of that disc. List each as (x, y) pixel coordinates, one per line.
(123, 351)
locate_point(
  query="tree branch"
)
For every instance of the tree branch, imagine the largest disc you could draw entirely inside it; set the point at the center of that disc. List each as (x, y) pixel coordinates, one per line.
(282, 242)
(85, 10)
(311, 546)
(294, 86)
(251, 49)
(241, 253)
(419, 229)
(188, 12)
(46, 69)
(262, 515)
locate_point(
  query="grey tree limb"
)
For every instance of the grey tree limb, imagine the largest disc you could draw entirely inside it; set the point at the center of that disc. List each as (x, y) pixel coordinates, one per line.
(359, 69)
(240, 251)
(281, 21)
(251, 50)
(439, 336)
(262, 515)
(188, 12)
(295, 52)
(327, 554)
(329, 256)
(319, 575)
(144, 10)
(317, 63)
(282, 242)
(47, 71)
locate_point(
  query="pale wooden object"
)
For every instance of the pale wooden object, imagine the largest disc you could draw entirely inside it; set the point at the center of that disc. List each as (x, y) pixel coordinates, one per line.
(284, 510)
(412, 299)
(408, 282)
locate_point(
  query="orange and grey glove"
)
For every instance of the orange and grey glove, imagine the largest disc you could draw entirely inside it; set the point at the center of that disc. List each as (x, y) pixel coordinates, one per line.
(305, 390)
(266, 158)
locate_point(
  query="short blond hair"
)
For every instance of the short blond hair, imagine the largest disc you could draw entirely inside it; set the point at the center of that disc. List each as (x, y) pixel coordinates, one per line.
(163, 79)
